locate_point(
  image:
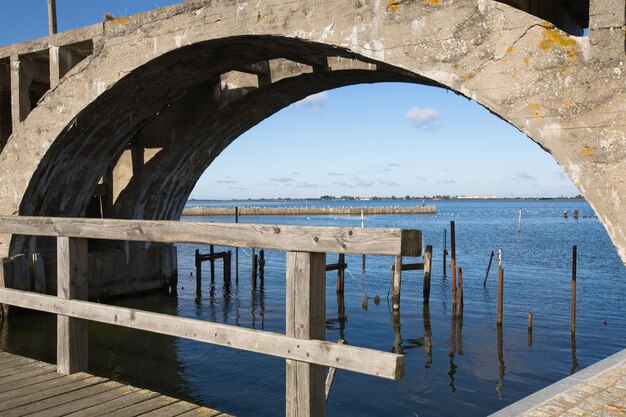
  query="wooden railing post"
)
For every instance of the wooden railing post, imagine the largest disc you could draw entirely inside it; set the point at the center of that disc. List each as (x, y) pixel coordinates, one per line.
(306, 316)
(72, 285)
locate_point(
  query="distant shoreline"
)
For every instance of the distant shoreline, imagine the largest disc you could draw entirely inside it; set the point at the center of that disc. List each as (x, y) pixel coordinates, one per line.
(304, 211)
(436, 198)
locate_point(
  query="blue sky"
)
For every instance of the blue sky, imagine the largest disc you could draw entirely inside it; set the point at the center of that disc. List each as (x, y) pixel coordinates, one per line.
(366, 140)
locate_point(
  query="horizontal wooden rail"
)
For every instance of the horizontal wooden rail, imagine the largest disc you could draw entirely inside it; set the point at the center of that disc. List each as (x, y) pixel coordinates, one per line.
(351, 358)
(367, 241)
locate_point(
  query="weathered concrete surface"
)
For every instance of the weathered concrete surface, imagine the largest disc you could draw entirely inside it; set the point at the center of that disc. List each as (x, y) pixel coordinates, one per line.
(181, 83)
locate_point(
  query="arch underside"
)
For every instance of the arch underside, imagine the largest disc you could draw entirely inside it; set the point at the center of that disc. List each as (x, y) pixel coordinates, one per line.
(173, 111)
(183, 107)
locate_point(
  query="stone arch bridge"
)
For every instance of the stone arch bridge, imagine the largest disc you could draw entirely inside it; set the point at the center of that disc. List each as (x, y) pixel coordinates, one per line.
(121, 118)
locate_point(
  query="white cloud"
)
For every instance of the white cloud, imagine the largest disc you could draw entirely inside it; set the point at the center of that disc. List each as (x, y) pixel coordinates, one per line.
(314, 101)
(422, 118)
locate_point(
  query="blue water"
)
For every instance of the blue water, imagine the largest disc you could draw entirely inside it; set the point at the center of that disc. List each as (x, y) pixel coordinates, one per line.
(467, 377)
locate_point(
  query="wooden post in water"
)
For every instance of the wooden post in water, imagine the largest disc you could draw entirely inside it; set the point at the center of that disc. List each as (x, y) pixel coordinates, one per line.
(397, 282)
(237, 249)
(72, 285)
(445, 250)
(262, 266)
(459, 303)
(428, 262)
(574, 249)
(362, 226)
(453, 262)
(198, 272)
(254, 270)
(500, 294)
(530, 328)
(306, 319)
(341, 272)
(52, 17)
(212, 260)
(488, 268)
(227, 266)
(519, 222)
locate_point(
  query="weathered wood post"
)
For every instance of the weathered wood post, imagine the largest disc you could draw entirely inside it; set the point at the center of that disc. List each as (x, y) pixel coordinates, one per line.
(453, 262)
(428, 334)
(306, 317)
(198, 272)
(212, 260)
(574, 249)
(341, 274)
(428, 263)
(262, 265)
(253, 273)
(500, 294)
(530, 328)
(488, 268)
(52, 17)
(227, 266)
(519, 222)
(445, 250)
(237, 249)
(72, 285)
(363, 257)
(459, 302)
(397, 282)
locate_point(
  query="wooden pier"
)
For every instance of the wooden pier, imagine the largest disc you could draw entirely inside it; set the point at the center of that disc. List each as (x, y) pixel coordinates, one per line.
(33, 388)
(303, 347)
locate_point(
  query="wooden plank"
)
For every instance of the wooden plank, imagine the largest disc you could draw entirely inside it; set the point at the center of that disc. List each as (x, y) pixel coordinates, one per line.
(120, 403)
(78, 381)
(375, 241)
(171, 410)
(40, 386)
(204, 412)
(72, 339)
(38, 272)
(99, 394)
(145, 406)
(409, 267)
(306, 318)
(24, 379)
(60, 399)
(351, 358)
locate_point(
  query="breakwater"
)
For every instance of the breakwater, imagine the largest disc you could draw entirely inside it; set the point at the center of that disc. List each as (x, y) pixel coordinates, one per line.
(305, 211)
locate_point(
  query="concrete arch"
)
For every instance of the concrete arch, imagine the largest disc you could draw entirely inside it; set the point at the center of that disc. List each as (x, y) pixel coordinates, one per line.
(566, 93)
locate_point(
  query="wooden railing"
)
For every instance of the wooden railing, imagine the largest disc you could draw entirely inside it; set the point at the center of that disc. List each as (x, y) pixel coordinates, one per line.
(303, 345)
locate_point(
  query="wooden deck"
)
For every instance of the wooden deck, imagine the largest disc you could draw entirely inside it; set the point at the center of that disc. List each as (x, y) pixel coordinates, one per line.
(33, 388)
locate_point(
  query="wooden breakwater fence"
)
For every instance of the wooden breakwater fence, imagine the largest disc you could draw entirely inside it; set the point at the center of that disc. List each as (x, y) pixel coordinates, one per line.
(303, 346)
(304, 211)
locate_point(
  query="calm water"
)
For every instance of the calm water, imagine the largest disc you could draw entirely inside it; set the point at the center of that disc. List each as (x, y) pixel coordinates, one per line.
(447, 373)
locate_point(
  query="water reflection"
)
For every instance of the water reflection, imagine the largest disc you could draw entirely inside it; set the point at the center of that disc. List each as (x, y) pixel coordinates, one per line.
(341, 315)
(428, 334)
(397, 337)
(451, 352)
(574, 359)
(500, 383)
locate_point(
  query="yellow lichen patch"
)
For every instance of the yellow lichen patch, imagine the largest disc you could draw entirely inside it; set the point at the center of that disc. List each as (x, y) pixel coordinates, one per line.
(393, 5)
(552, 38)
(561, 70)
(587, 151)
(525, 60)
(433, 2)
(122, 20)
(510, 48)
(536, 107)
(466, 77)
(567, 105)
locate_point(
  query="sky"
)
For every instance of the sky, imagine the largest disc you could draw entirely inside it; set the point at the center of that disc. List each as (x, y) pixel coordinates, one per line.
(366, 140)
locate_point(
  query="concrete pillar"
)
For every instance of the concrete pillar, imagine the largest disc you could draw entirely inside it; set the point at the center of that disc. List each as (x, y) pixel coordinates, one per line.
(20, 102)
(606, 28)
(54, 66)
